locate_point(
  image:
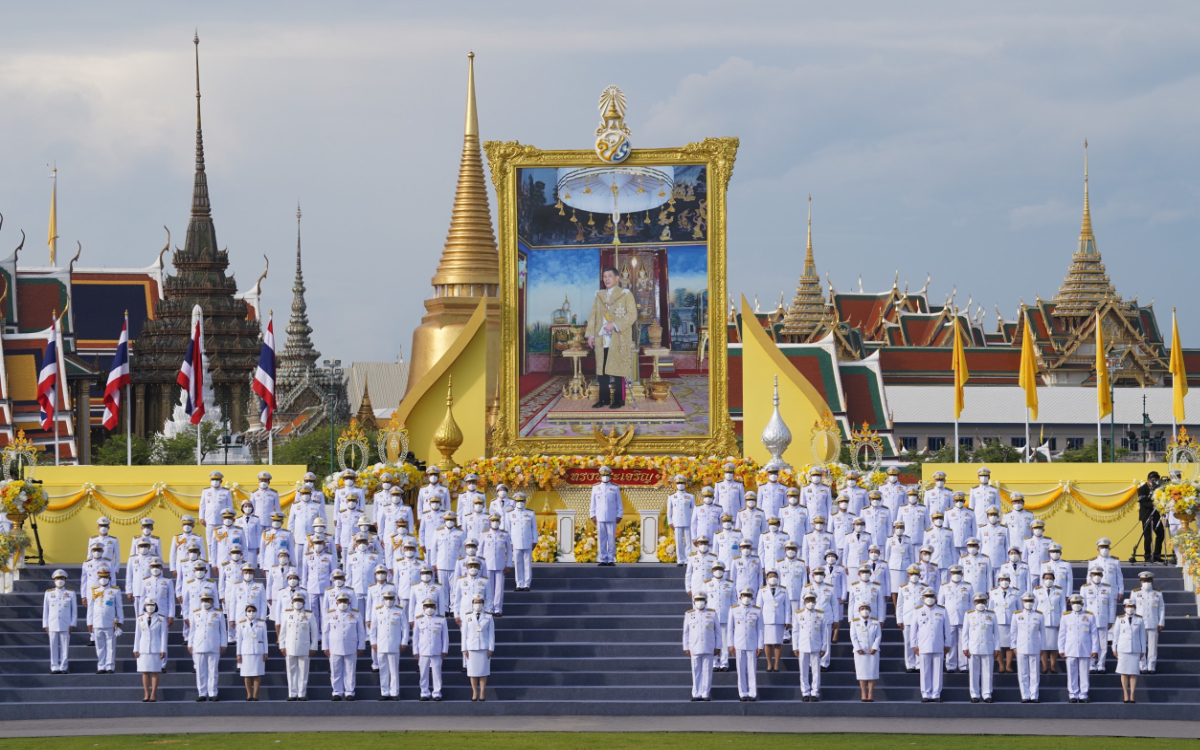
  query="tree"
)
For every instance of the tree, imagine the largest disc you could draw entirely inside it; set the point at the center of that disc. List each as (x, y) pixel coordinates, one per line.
(181, 449)
(1087, 455)
(312, 450)
(995, 452)
(111, 452)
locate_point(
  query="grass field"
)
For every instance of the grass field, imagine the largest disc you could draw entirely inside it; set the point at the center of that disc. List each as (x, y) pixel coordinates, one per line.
(587, 741)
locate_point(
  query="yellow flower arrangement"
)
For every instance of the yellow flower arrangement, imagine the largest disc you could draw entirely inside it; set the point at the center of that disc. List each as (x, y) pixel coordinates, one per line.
(629, 542)
(1187, 544)
(549, 472)
(12, 545)
(666, 549)
(546, 549)
(1179, 498)
(586, 544)
(20, 496)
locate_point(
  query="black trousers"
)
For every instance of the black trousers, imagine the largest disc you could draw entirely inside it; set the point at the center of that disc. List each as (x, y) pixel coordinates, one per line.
(609, 383)
(1152, 525)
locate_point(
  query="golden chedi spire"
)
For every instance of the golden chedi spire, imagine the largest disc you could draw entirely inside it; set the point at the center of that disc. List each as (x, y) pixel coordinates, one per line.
(470, 265)
(1086, 284)
(808, 310)
(449, 436)
(366, 412)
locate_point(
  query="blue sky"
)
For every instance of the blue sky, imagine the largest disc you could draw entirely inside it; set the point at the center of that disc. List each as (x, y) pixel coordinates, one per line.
(934, 137)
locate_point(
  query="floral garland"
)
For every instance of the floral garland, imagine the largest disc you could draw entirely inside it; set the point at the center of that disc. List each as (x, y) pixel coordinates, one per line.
(546, 549)
(20, 496)
(549, 472)
(1179, 498)
(666, 549)
(586, 545)
(1187, 544)
(405, 475)
(12, 545)
(629, 542)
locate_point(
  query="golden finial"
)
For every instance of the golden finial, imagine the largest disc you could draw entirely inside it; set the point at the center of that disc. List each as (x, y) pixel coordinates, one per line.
(448, 437)
(1087, 240)
(472, 126)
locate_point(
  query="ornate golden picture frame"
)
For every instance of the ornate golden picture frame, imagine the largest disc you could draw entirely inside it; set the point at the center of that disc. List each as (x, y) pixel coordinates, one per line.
(557, 352)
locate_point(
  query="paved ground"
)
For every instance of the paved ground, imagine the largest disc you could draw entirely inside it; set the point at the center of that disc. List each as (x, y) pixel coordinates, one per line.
(189, 725)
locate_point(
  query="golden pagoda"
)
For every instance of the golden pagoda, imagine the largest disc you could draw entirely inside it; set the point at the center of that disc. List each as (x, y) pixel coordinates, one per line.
(808, 312)
(366, 413)
(1086, 285)
(470, 264)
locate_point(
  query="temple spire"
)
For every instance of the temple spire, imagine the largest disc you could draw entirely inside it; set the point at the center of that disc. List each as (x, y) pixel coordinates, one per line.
(200, 205)
(1087, 240)
(808, 312)
(299, 357)
(1086, 285)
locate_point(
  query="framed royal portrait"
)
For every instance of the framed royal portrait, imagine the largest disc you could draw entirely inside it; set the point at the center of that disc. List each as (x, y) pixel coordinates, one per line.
(613, 300)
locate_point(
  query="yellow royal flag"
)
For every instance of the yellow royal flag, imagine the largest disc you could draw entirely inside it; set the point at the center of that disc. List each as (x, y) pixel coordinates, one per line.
(1028, 376)
(1178, 372)
(959, 363)
(1103, 395)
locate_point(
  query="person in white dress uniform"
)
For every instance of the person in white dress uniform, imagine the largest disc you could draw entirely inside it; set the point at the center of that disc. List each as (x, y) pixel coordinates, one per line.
(701, 643)
(810, 640)
(1101, 601)
(431, 641)
(984, 496)
(105, 616)
(931, 642)
(722, 595)
(150, 649)
(1004, 601)
(521, 525)
(680, 505)
(772, 495)
(745, 643)
(1152, 610)
(431, 490)
(1051, 604)
(980, 645)
(252, 650)
(730, 494)
(865, 638)
(606, 512)
(1026, 629)
(777, 619)
(299, 637)
(59, 615)
(389, 636)
(1129, 646)
(1078, 645)
(206, 642)
(344, 636)
(478, 645)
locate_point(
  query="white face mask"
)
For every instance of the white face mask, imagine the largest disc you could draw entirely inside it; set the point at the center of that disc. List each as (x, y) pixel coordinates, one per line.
(96, 555)
(293, 582)
(1018, 507)
(1076, 607)
(875, 502)
(704, 548)
(938, 522)
(745, 551)
(1047, 582)
(206, 605)
(701, 604)
(973, 551)
(810, 605)
(362, 548)
(1014, 559)
(864, 576)
(156, 572)
(979, 606)
(958, 504)
(277, 524)
(235, 556)
(925, 557)
(1147, 585)
(187, 528)
(708, 500)
(940, 484)
(859, 528)
(842, 506)
(319, 546)
(818, 577)
(59, 583)
(814, 481)
(343, 606)
(791, 554)
(351, 504)
(1096, 580)
(348, 482)
(449, 523)
(1104, 551)
(1130, 611)
(435, 507)
(746, 601)
(773, 528)
(680, 487)
(750, 503)
(773, 478)
(473, 572)
(983, 481)
(146, 530)
(864, 613)
(956, 577)
(914, 578)
(470, 486)
(477, 606)
(263, 485)
(1037, 532)
(251, 614)
(495, 524)
(718, 574)
(478, 507)
(520, 505)
(930, 601)
(502, 494)
(297, 606)
(893, 479)
(729, 476)
(1055, 555)
(216, 483)
(381, 577)
(793, 501)
(308, 485)
(339, 582)
(605, 478)
(819, 526)
(247, 577)
(429, 611)
(151, 608)
(1028, 606)
(104, 581)
(772, 582)
(426, 577)
(912, 499)
(227, 521)
(433, 479)
(410, 553)
(727, 525)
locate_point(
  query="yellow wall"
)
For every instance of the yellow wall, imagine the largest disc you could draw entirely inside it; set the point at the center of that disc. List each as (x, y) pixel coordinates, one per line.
(1072, 525)
(66, 541)
(424, 407)
(800, 404)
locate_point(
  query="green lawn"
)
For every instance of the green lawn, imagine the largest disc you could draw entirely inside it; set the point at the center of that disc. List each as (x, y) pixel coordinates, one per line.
(583, 741)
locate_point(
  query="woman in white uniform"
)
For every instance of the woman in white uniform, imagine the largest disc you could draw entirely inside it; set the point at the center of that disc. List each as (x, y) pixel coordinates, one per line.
(865, 637)
(252, 651)
(478, 643)
(1128, 645)
(150, 649)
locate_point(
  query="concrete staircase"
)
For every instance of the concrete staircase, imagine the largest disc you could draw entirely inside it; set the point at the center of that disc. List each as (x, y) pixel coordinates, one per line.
(585, 641)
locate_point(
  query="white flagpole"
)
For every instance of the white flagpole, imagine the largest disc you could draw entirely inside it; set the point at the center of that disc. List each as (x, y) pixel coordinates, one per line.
(128, 411)
(1099, 437)
(955, 441)
(1028, 448)
(199, 370)
(271, 432)
(58, 379)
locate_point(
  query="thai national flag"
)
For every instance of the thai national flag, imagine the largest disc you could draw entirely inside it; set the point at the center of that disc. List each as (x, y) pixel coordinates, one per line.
(118, 378)
(47, 387)
(191, 377)
(264, 375)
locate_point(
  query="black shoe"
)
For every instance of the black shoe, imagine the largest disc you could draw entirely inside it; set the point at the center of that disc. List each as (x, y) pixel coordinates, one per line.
(815, 698)
(804, 699)
(754, 699)
(302, 698)
(1026, 700)
(424, 697)
(911, 671)
(937, 700)
(1073, 700)
(99, 671)
(201, 699)
(706, 699)
(976, 700)
(213, 698)
(1084, 700)
(694, 699)
(1036, 700)
(374, 669)
(384, 698)
(600, 404)
(291, 698)
(336, 698)
(926, 700)
(617, 405)
(987, 699)
(437, 698)
(350, 697)
(463, 670)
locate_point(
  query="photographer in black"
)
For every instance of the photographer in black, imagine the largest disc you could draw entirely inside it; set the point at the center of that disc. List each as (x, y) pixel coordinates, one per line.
(1150, 517)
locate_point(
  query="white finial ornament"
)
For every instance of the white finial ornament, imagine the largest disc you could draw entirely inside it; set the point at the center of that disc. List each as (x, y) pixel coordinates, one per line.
(612, 137)
(776, 437)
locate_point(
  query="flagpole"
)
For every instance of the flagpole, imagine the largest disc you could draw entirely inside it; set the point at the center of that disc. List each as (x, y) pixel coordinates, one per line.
(1028, 456)
(57, 383)
(270, 431)
(128, 411)
(199, 372)
(956, 440)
